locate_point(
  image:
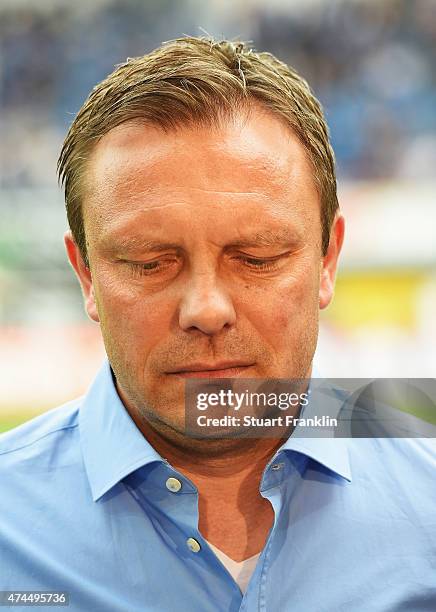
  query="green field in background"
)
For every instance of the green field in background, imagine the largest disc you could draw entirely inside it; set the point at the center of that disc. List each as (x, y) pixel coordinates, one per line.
(8, 422)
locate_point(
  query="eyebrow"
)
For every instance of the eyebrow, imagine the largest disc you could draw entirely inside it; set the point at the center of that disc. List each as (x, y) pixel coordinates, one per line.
(266, 238)
(133, 243)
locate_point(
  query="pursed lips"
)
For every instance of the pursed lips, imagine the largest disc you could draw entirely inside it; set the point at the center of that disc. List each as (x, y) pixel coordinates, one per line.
(220, 370)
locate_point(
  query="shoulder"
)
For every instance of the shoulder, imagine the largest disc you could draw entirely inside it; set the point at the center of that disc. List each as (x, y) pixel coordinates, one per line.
(395, 452)
(420, 451)
(415, 456)
(52, 429)
(43, 495)
(400, 470)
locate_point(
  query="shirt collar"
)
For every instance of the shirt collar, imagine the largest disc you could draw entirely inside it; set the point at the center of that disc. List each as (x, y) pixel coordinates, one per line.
(321, 445)
(332, 453)
(114, 447)
(112, 444)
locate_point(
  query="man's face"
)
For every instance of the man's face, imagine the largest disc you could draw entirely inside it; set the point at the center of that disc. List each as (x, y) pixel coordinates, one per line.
(205, 257)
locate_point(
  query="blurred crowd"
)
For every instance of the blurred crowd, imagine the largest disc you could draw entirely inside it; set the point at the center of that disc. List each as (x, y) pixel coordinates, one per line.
(370, 62)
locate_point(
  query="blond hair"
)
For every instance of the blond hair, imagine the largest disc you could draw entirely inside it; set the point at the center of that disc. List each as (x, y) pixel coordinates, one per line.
(197, 81)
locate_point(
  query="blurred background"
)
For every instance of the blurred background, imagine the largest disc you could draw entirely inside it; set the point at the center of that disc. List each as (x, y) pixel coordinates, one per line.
(372, 65)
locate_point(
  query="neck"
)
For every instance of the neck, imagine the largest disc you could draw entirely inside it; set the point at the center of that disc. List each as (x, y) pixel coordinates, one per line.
(217, 459)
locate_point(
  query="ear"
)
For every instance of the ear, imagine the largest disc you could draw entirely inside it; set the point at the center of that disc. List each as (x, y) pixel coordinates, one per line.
(83, 274)
(330, 261)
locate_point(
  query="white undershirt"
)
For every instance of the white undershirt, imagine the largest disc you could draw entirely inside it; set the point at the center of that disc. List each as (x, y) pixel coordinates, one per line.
(240, 571)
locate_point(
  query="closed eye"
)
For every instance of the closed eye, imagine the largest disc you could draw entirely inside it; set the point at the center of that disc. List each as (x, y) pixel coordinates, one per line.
(262, 264)
(154, 266)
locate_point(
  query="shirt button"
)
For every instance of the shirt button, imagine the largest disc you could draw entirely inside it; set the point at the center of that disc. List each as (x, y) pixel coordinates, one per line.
(173, 485)
(193, 545)
(277, 466)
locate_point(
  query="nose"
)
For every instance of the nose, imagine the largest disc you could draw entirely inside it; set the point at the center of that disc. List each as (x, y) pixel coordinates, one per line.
(206, 305)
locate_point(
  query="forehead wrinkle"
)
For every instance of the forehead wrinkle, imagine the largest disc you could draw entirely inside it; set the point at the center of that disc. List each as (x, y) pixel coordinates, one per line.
(148, 179)
(115, 226)
(143, 169)
(136, 203)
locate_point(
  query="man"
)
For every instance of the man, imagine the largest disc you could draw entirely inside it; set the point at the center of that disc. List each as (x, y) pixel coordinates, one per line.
(205, 234)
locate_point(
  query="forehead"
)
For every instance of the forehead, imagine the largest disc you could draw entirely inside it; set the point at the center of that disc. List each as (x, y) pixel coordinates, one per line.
(251, 162)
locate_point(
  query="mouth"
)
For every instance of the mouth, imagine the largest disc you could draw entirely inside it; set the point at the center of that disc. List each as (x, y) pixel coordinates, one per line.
(222, 370)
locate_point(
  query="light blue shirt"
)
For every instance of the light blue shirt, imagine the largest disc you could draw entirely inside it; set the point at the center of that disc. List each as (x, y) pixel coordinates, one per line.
(85, 508)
